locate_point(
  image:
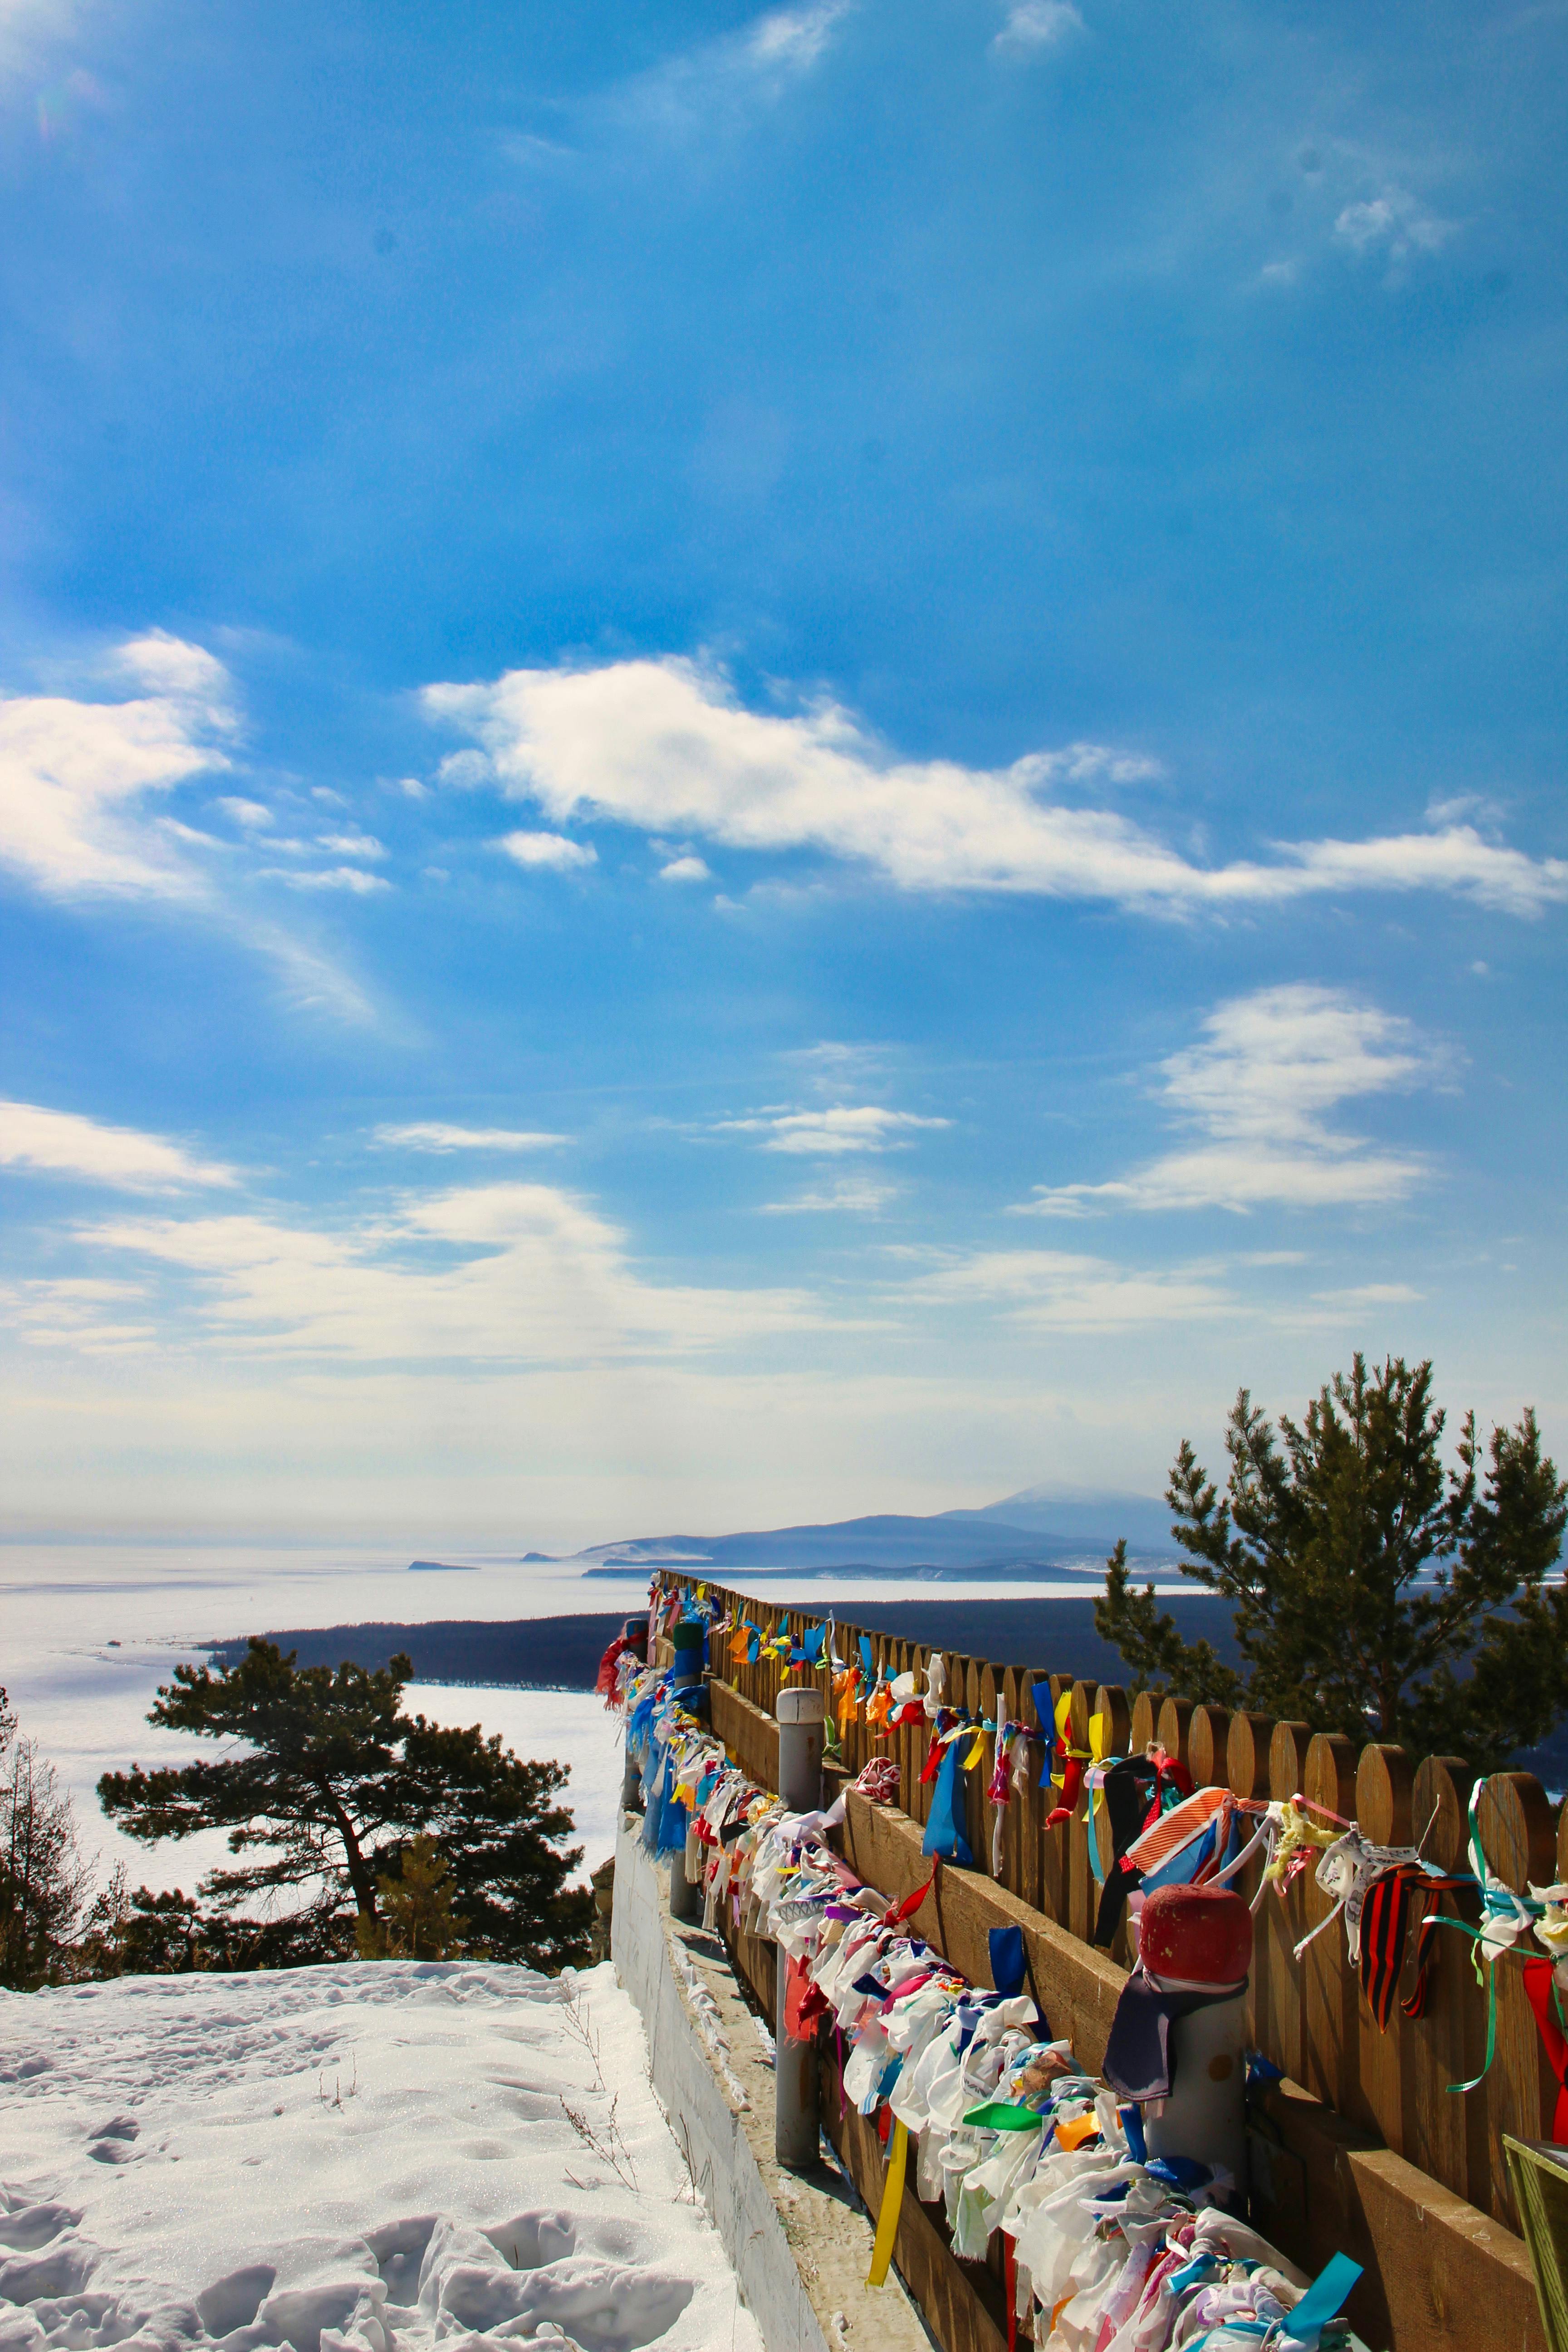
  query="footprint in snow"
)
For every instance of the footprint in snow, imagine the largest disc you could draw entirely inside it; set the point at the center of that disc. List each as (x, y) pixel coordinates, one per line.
(110, 2142)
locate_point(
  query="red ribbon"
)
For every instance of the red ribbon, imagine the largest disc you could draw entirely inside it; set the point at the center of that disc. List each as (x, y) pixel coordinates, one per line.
(911, 1903)
(1072, 1782)
(1538, 1989)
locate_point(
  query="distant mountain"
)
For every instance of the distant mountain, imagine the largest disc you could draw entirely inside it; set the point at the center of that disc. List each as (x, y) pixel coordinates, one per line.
(993, 1541)
(1094, 1520)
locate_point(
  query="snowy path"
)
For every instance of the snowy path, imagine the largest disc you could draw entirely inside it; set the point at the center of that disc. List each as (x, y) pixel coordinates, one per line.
(368, 2159)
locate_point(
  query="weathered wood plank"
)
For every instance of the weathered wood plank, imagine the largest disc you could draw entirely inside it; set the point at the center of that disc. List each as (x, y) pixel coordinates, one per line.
(1519, 1838)
(1331, 2044)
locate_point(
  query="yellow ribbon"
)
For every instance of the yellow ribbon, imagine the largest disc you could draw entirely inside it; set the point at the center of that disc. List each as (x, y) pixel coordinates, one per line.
(1063, 1717)
(892, 2204)
(1296, 1832)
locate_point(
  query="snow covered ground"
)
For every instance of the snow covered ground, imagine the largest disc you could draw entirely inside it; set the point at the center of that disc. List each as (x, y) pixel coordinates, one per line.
(367, 2158)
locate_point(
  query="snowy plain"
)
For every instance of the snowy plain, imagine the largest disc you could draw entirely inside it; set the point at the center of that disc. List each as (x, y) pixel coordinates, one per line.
(372, 2157)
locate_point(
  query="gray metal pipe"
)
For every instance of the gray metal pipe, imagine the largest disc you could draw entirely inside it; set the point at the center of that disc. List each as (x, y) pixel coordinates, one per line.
(796, 2130)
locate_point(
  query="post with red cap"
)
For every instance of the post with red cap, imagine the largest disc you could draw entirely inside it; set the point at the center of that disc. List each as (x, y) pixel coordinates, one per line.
(1198, 1939)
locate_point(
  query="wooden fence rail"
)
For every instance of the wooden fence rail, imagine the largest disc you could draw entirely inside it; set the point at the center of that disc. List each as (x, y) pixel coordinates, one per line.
(1309, 2016)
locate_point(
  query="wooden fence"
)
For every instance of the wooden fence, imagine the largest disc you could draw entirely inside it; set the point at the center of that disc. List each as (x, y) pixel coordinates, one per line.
(1309, 2016)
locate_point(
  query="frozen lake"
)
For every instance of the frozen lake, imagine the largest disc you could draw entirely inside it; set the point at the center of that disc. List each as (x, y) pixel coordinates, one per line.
(91, 1629)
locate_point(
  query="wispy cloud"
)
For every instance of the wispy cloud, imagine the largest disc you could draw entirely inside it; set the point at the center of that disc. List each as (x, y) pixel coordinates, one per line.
(1258, 1089)
(1394, 225)
(1362, 1306)
(791, 39)
(250, 815)
(351, 844)
(714, 87)
(1057, 1290)
(352, 878)
(685, 869)
(666, 746)
(829, 1134)
(523, 1274)
(1035, 25)
(64, 1143)
(858, 1196)
(436, 1135)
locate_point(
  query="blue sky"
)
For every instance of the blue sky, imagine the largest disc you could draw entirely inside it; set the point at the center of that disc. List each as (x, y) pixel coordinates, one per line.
(756, 765)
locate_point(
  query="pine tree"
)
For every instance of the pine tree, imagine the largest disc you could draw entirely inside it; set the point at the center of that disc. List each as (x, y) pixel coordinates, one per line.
(1374, 1592)
(417, 1922)
(44, 1883)
(332, 1784)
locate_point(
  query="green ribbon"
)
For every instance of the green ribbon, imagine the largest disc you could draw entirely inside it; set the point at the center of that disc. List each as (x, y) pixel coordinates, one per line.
(999, 2115)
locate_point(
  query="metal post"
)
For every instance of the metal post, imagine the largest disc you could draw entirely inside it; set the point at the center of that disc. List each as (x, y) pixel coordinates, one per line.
(800, 1714)
(1205, 2115)
(685, 1900)
(1192, 1938)
(795, 2126)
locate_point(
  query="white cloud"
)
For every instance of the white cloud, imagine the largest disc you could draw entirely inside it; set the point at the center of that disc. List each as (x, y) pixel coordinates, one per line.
(1055, 1290)
(663, 746)
(851, 1195)
(717, 84)
(466, 769)
(828, 1134)
(1459, 805)
(1363, 1306)
(171, 665)
(548, 849)
(1257, 1089)
(685, 869)
(1395, 224)
(521, 1273)
(64, 1143)
(436, 1135)
(74, 775)
(791, 39)
(1371, 1293)
(1035, 25)
(251, 814)
(327, 877)
(351, 844)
